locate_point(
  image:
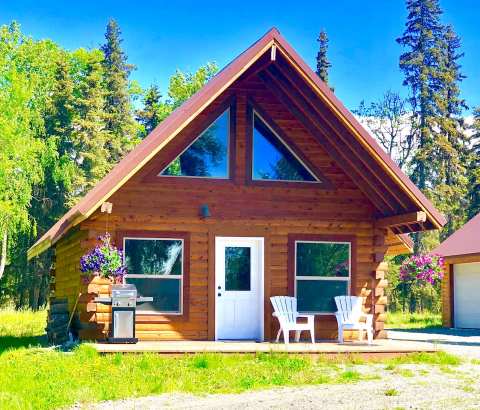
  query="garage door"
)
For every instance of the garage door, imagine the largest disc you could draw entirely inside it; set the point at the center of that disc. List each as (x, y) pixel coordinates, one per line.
(467, 295)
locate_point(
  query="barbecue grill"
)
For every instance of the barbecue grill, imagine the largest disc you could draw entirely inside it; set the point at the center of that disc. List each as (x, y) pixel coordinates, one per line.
(124, 303)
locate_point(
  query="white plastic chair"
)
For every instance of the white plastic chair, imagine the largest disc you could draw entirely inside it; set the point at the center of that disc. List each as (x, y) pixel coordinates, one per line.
(286, 312)
(349, 315)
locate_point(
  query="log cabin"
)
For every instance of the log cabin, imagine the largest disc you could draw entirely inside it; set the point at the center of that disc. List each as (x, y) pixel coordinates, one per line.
(261, 184)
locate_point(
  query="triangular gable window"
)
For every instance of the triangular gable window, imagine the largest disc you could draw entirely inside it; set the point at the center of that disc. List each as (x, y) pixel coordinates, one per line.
(207, 155)
(272, 159)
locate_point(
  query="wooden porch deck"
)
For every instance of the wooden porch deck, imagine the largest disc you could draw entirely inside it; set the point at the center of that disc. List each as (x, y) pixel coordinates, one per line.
(380, 347)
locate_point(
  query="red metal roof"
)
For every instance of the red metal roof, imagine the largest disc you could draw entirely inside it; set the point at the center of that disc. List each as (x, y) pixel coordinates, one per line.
(462, 242)
(183, 115)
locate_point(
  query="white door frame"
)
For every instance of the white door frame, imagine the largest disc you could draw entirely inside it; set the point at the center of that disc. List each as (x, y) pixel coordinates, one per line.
(261, 278)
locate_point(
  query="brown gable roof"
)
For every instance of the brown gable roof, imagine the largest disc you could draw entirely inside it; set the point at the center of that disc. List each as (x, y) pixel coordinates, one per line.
(183, 115)
(465, 241)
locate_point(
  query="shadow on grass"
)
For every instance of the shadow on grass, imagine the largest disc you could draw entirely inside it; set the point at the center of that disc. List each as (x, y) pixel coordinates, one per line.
(17, 342)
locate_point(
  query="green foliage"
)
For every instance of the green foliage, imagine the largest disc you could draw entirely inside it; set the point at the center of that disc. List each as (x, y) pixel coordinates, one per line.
(152, 112)
(421, 66)
(59, 137)
(412, 297)
(432, 73)
(26, 76)
(118, 108)
(184, 85)
(474, 168)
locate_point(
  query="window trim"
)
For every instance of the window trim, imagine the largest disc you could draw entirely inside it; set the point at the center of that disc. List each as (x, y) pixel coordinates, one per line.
(164, 317)
(321, 182)
(312, 238)
(228, 110)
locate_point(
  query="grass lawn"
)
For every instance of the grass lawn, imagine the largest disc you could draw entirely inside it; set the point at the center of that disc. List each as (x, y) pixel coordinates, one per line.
(43, 378)
(400, 320)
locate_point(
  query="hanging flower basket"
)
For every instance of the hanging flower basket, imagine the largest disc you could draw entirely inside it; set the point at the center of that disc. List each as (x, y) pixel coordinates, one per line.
(104, 261)
(423, 269)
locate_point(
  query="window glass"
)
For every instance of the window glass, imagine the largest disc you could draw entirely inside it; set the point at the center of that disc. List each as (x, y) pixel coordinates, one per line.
(153, 256)
(165, 293)
(207, 156)
(237, 268)
(318, 295)
(272, 160)
(322, 271)
(323, 259)
(155, 267)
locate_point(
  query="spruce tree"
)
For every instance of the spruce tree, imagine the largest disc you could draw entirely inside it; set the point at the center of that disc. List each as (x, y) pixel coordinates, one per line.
(120, 121)
(421, 67)
(450, 152)
(323, 65)
(421, 63)
(474, 168)
(50, 197)
(150, 116)
(91, 136)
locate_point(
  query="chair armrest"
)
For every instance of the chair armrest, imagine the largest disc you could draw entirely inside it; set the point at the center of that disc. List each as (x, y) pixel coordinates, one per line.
(310, 318)
(368, 318)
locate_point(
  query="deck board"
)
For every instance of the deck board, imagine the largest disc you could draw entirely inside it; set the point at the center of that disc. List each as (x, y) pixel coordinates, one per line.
(381, 346)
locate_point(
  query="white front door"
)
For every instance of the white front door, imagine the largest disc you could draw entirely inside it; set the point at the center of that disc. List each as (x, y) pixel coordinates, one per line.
(466, 295)
(238, 288)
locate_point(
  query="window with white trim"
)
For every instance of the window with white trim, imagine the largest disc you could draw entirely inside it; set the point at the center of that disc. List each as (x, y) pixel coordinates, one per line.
(155, 267)
(322, 271)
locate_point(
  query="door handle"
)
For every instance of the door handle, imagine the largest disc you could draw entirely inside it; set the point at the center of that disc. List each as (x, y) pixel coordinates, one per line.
(219, 287)
(219, 294)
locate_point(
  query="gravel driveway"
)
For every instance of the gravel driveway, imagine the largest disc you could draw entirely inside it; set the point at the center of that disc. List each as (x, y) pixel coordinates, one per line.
(402, 386)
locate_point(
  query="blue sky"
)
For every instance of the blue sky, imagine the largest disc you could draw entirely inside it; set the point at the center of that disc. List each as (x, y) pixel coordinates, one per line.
(162, 36)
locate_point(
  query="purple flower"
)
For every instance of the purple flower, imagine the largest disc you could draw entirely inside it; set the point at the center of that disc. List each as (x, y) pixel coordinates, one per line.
(423, 269)
(104, 260)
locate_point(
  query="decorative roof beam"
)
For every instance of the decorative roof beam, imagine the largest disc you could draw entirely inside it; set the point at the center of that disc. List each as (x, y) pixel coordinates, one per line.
(404, 219)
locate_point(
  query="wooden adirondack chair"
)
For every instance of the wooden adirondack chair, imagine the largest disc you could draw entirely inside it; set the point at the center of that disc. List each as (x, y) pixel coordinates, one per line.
(349, 317)
(286, 312)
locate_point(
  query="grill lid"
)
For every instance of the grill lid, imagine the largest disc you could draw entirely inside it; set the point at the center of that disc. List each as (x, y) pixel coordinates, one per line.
(126, 290)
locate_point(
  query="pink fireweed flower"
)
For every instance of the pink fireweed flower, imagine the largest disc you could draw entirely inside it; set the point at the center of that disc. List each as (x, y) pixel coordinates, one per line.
(423, 269)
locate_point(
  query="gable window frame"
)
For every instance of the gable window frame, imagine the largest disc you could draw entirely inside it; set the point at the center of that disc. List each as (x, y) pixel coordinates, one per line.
(253, 109)
(195, 131)
(294, 239)
(184, 237)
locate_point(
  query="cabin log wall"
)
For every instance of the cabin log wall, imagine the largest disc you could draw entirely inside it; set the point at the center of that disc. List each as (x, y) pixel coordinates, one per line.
(68, 251)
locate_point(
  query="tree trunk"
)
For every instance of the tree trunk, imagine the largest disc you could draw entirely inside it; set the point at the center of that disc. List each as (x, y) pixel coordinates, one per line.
(3, 253)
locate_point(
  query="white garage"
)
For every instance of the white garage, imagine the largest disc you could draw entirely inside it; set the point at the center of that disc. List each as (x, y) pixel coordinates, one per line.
(461, 283)
(466, 295)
